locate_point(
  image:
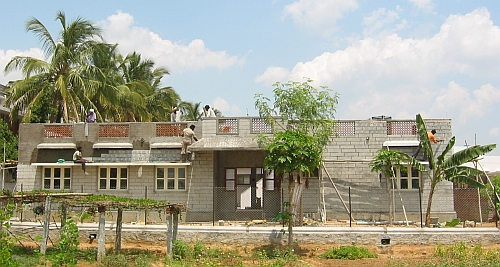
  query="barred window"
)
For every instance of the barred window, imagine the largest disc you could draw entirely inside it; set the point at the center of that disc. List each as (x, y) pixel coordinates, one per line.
(171, 178)
(113, 178)
(57, 178)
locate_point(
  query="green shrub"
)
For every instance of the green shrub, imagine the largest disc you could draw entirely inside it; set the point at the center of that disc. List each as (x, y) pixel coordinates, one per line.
(453, 222)
(6, 242)
(199, 250)
(180, 250)
(67, 248)
(348, 253)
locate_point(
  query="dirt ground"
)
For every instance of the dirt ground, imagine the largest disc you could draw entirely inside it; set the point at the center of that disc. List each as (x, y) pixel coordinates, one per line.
(403, 255)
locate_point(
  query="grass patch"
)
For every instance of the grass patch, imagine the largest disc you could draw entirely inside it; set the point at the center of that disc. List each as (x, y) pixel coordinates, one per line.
(461, 254)
(348, 253)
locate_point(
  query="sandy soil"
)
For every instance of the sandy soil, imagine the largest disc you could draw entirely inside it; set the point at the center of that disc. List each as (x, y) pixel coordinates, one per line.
(398, 254)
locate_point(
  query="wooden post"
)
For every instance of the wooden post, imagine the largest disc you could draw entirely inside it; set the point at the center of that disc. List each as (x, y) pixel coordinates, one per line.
(64, 215)
(46, 224)
(101, 237)
(146, 209)
(119, 222)
(176, 225)
(169, 234)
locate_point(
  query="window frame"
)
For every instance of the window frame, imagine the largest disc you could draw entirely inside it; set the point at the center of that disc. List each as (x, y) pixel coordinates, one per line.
(166, 178)
(119, 179)
(231, 178)
(398, 179)
(63, 178)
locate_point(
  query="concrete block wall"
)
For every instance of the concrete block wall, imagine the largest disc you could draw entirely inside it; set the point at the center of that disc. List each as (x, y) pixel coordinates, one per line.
(347, 162)
(311, 197)
(199, 199)
(346, 159)
(26, 178)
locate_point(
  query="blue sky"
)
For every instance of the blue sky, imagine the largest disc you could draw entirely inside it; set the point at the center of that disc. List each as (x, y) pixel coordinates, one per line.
(393, 58)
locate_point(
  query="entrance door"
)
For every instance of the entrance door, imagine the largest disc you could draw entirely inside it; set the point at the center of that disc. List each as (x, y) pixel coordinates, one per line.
(255, 193)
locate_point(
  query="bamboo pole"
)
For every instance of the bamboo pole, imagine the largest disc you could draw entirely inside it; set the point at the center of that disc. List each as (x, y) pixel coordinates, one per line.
(338, 193)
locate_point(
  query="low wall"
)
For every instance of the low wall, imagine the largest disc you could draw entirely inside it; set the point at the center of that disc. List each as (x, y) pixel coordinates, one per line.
(265, 234)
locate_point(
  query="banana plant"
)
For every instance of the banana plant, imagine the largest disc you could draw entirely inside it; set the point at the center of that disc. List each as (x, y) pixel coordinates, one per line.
(450, 168)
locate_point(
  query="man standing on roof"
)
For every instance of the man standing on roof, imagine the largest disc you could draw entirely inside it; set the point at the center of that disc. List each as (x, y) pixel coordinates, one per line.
(188, 139)
(208, 112)
(91, 117)
(176, 114)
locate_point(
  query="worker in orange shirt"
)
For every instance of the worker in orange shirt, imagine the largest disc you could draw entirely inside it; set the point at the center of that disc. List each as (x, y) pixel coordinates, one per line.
(431, 136)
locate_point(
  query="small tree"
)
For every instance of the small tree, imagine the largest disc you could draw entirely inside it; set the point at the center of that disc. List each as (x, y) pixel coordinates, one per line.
(302, 117)
(384, 162)
(10, 141)
(449, 168)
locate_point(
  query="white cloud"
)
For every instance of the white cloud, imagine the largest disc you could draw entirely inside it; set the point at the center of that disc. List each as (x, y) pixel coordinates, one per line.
(464, 104)
(426, 5)
(401, 77)
(494, 132)
(119, 28)
(319, 15)
(272, 75)
(383, 22)
(226, 109)
(6, 56)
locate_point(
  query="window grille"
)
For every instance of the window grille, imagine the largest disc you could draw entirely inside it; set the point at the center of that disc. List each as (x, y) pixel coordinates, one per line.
(401, 128)
(227, 126)
(344, 128)
(57, 131)
(119, 130)
(260, 125)
(174, 129)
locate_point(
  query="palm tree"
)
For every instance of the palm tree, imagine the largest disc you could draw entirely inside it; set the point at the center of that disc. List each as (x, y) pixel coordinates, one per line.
(449, 168)
(385, 162)
(141, 97)
(68, 58)
(191, 111)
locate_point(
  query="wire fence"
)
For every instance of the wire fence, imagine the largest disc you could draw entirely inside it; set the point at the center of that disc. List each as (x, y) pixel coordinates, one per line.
(246, 204)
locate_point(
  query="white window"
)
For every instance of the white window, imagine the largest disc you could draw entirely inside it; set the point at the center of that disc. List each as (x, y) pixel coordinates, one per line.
(407, 177)
(57, 178)
(270, 184)
(242, 177)
(171, 178)
(114, 178)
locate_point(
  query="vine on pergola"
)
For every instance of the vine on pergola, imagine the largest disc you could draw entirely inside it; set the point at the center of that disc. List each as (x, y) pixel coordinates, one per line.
(89, 200)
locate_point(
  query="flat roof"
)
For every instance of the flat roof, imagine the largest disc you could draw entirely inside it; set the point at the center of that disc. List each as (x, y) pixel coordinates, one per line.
(165, 145)
(56, 146)
(225, 143)
(71, 163)
(113, 145)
